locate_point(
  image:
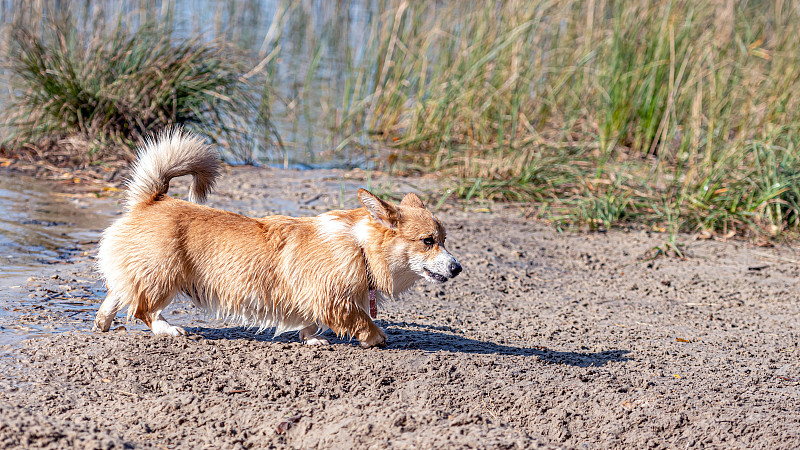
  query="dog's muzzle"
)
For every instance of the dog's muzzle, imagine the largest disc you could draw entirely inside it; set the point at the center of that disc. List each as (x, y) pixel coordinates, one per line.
(451, 269)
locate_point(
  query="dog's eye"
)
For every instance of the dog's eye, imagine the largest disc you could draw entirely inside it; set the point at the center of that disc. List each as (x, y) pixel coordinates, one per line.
(428, 241)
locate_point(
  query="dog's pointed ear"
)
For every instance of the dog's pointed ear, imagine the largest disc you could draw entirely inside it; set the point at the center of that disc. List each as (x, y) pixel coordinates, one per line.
(379, 210)
(413, 200)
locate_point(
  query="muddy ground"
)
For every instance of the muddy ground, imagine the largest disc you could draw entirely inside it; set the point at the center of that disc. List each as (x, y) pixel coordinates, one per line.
(547, 340)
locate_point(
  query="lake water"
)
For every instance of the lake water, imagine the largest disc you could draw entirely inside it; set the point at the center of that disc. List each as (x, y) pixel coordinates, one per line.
(41, 232)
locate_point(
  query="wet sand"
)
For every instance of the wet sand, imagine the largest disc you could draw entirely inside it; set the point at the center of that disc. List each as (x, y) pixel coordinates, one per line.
(547, 340)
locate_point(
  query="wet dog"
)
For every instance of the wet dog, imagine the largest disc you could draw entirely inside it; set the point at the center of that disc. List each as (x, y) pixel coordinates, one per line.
(307, 274)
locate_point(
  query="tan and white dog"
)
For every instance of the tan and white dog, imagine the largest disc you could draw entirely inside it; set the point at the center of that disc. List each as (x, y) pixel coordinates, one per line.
(307, 274)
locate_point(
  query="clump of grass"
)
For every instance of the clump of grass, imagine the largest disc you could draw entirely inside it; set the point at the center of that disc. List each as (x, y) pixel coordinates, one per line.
(99, 95)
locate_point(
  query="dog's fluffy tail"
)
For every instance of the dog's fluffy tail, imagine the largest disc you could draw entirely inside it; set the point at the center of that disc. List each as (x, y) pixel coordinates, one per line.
(173, 153)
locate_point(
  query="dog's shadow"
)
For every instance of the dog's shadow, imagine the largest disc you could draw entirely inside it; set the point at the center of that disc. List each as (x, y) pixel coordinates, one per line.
(430, 338)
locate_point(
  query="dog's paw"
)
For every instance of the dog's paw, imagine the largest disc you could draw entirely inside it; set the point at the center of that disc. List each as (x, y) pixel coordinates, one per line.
(317, 340)
(163, 328)
(375, 340)
(101, 323)
(172, 330)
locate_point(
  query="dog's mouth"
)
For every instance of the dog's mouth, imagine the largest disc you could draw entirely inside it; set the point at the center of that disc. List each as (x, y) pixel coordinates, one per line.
(433, 276)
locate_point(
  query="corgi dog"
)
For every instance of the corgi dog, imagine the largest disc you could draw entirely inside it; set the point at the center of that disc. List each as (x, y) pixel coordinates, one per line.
(308, 273)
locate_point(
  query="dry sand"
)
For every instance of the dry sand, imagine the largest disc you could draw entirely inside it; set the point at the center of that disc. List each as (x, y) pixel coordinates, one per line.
(547, 340)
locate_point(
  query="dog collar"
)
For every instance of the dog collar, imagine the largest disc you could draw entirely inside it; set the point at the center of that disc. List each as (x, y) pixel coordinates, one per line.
(373, 303)
(373, 292)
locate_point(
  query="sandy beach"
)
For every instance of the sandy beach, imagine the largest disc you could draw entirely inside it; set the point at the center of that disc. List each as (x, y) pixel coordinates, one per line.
(547, 340)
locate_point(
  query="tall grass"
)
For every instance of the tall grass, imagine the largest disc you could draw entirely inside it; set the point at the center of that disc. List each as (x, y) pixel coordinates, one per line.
(100, 94)
(673, 113)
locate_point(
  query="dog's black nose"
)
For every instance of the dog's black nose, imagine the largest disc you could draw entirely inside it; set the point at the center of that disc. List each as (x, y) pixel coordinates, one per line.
(455, 268)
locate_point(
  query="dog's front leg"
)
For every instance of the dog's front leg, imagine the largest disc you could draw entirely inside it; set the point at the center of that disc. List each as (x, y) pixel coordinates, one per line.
(365, 330)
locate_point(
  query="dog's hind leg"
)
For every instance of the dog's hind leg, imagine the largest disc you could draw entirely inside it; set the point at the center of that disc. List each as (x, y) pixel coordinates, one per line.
(108, 310)
(311, 335)
(150, 314)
